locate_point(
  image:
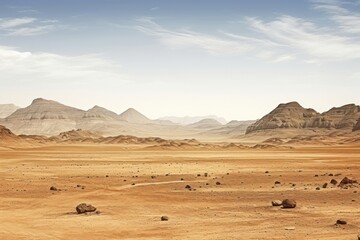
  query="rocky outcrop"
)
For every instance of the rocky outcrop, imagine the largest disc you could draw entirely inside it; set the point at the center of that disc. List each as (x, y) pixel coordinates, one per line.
(293, 115)
(357, 126)
(288, 115)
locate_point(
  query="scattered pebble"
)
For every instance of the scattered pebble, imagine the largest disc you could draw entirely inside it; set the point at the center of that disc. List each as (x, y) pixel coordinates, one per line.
(164, 218)
(341, 222)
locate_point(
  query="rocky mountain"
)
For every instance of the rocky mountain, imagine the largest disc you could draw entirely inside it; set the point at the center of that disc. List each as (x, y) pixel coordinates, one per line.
(100, 113)
(293, 115)
(7, 109)
(133, 116)
(44, 117)
(339, 117)
(357, 126)
(208, 123)
(42, 109)
(190, 120)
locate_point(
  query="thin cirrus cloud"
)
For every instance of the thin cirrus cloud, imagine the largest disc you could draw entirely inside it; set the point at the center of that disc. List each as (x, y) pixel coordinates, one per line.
(225, 44)
(16, 65)
(348, 21)
(282, 39)
(15, 22)
(25, 26)
(304, 37)
(211, 44)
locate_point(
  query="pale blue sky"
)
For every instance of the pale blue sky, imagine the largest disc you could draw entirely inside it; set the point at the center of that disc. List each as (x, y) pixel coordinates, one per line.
(235, 59)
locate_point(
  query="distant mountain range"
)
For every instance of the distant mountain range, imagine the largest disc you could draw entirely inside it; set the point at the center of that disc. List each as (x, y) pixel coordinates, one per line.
(190, 120)
(49, 118)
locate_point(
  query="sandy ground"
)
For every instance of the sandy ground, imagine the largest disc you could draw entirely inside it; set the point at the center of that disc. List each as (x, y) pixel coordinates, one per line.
(131, 202)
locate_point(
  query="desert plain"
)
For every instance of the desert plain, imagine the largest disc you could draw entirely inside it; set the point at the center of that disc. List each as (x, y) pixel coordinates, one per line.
(229, 194)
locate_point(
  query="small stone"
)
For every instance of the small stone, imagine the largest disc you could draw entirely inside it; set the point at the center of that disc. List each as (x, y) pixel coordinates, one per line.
(277, 182)
(325, 185)
(341, 222)
(289, 203)
(52, 188)
(290, 228)
(164, 218)
(333, 181)
(188, 187)
(318, 188)
(276, 203)
(218, 183)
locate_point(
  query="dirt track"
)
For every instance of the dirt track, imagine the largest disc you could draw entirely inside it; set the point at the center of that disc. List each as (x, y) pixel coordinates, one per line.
(239, 208)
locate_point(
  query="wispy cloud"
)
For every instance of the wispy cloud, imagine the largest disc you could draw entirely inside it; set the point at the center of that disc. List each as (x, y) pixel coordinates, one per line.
(30, 31)
(211, 44)
(25, 26)
(347, 20)
(16, 65)
(223, 44)
(15, 22)
(304, 37)
(284, 38)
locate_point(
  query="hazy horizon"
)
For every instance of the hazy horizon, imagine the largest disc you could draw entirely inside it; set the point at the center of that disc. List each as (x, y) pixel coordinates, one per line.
(233, 59)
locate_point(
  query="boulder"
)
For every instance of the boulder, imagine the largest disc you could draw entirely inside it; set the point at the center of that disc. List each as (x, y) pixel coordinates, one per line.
(289, 203)
(333, 181)
(84, 208)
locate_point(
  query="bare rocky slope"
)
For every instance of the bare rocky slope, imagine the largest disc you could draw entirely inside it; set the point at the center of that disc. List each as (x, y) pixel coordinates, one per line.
(7, 109)
(293, 115)
(357, 126)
